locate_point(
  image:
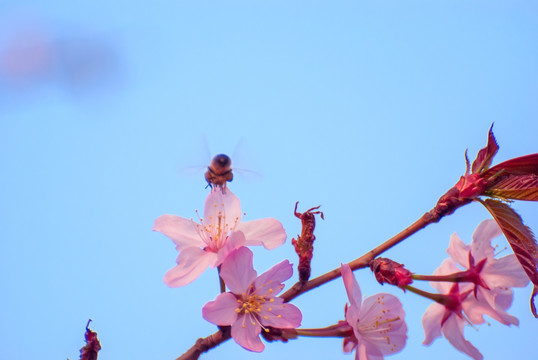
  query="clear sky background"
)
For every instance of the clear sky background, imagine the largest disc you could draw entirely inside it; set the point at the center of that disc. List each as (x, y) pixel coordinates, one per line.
(364, 107)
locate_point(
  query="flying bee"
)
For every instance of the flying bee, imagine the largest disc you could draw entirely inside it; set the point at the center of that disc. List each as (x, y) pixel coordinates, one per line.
(219, 171)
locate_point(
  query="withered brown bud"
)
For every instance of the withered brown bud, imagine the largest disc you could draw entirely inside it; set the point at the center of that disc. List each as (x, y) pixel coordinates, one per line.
(304, 244)
(390, 272)
(92, 347)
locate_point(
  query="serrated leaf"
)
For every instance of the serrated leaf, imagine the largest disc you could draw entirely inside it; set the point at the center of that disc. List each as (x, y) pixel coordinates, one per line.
(516, 187)
(485, 155)
(523, 165)
(520, 238)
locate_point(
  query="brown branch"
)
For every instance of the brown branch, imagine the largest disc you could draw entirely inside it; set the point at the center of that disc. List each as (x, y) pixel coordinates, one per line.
(428, 218)
(204, 344)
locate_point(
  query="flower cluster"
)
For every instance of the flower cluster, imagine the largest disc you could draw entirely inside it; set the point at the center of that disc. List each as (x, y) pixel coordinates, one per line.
(483, 288)
(472, 283)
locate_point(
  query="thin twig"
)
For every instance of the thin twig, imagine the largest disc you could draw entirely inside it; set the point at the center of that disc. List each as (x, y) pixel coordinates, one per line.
(363, 261)
(204, 344)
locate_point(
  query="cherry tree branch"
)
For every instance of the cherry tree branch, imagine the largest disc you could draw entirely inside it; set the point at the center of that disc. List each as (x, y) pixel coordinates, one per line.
(446, 205)
(205, 344)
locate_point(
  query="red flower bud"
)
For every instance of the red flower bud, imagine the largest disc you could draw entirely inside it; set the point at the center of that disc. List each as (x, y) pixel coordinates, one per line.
(391, 272)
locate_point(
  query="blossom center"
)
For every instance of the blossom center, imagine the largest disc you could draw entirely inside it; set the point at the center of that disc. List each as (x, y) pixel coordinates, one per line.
(381, 324)
(250, 304)
(216, 232)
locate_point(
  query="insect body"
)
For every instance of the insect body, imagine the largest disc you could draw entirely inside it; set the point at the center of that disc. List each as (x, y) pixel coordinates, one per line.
(219, 171)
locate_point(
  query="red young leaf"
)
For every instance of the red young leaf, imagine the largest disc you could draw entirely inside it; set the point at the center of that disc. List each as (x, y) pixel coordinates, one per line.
(521, 240)
(514, 179)
(517, 187)
(92, 347)
(522, 165)
(485, 155)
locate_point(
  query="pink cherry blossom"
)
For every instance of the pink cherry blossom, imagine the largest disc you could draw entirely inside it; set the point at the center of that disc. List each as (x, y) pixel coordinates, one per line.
(207, 243)
(378, 323)
(466, 302)
(251, 305)
(493, 277)
(448, 318)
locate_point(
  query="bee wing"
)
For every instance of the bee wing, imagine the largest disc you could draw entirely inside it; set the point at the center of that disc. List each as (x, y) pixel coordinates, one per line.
(244, 160)
(195, 161)
(192, 171)
(248, 175)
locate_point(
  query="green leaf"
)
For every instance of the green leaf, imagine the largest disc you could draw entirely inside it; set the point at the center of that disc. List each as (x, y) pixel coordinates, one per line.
(521, 240)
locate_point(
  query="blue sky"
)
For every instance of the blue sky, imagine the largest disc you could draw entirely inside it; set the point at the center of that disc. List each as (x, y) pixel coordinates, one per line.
(364, 107)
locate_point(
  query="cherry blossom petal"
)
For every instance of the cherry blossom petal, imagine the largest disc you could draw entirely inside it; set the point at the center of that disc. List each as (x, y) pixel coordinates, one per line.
(349, 344)
(181, 231)
(475, 308)
(382, 325)
(352, 316)
(458, 251)
(486, 231)
(372, 351)
(237, 270)
(191, 262)
(431, 321)
(280, 315)
(224, 204)
(385, 308)
(270, 282)
(267, 232)
(504, 272)
(246, 333)
(503, 298)
(447, 267)
(352, 287)
(221, 311)
(366, 351)
(453, 331)
(361, 351)
(234, 241)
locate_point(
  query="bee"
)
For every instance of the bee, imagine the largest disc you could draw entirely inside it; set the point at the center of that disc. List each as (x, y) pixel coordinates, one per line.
(219, 171)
